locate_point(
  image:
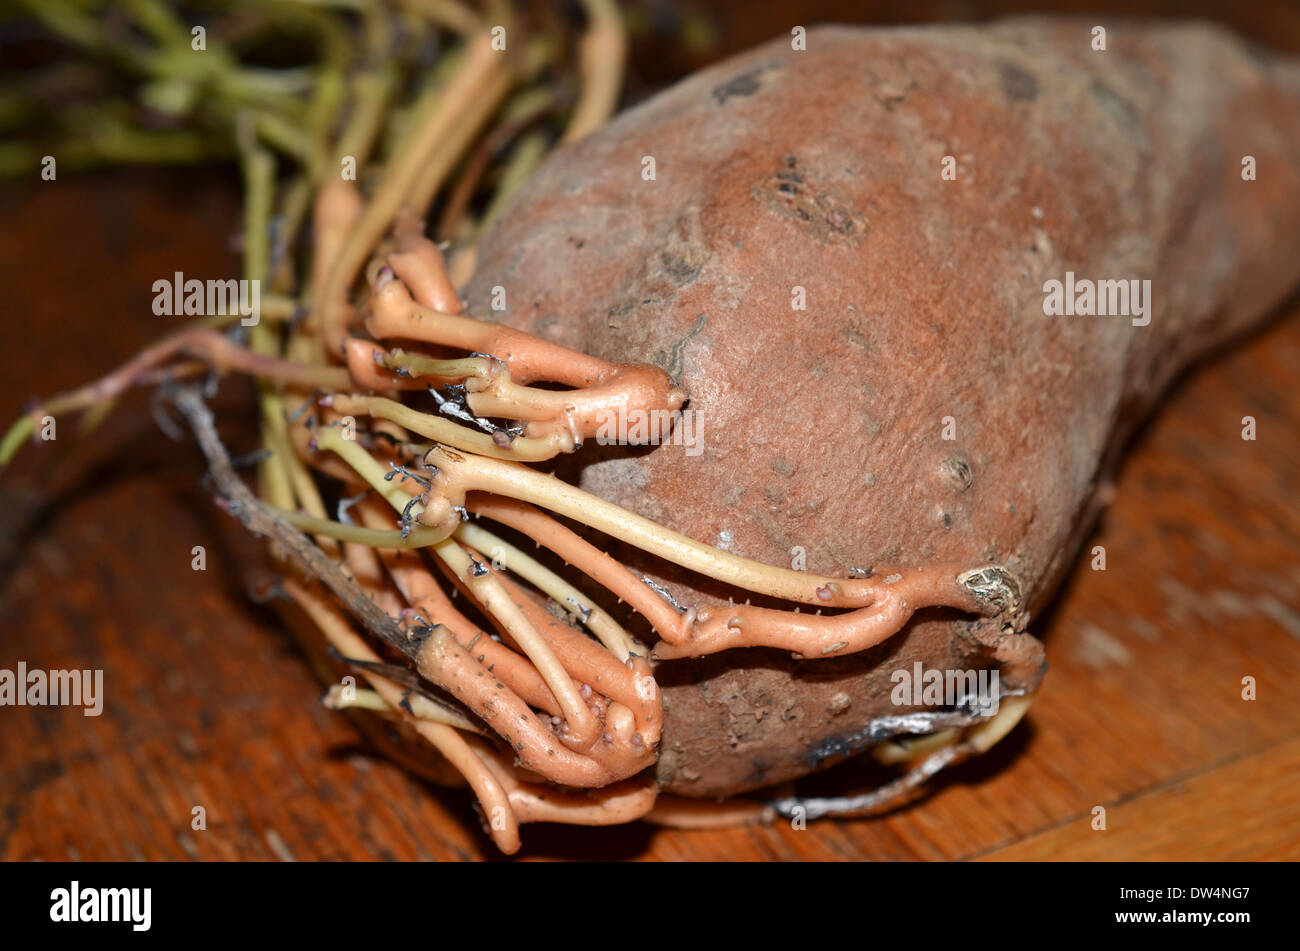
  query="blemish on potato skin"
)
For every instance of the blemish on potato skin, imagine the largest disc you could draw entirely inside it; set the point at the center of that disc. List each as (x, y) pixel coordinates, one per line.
(742, 86)
(856, 337)
(674, 363)
(827, 215)
(681, 268)
(839, 221)
(1115, 104)
(1017, 85)
(959, 470)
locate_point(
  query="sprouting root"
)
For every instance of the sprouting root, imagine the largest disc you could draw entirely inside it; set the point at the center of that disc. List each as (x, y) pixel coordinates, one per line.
(511, 670)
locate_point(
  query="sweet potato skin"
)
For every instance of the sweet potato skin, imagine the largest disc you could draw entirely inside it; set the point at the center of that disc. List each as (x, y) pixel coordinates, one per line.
(823, 429)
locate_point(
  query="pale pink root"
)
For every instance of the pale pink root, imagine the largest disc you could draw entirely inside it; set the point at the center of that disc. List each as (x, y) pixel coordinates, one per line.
(616, 804)
(530, 359)
(590, 661)
(581, 726)
(611, 805)
(601, 567)
(523, 683)
(605, 393)
(445, 662)
(678, 813)
(604, 389)
(719, 628)
(632, 723)
(461, 266)
(368, 375)
(302, 439)
(426, 598)
(492, 796)
(884, 605)
(216, 351)
(487, 787)
(460, 473)
(364, 563)
(421, 267)
(362, 358)
(581, 413)
(723, 627)
(338, 208)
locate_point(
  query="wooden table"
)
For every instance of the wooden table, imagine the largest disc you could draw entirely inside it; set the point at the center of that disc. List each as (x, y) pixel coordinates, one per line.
(210, 703)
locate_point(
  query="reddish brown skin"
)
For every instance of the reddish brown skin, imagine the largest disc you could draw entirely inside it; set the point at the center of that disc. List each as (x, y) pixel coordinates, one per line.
(823, 428)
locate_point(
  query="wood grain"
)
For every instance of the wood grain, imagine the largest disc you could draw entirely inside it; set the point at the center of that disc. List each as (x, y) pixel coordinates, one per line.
(1184, 818)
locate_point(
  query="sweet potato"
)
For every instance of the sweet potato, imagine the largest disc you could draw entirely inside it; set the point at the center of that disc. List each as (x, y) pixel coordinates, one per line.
(923, 408)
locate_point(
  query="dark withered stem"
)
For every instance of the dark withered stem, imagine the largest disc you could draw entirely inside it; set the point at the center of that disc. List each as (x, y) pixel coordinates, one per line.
(261, 521)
